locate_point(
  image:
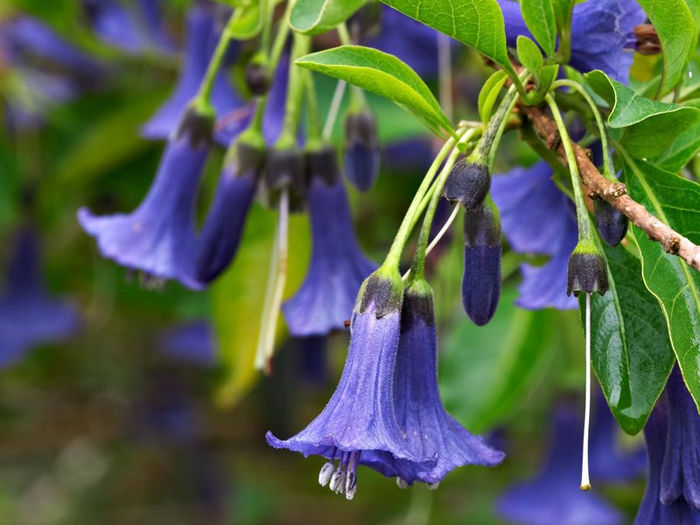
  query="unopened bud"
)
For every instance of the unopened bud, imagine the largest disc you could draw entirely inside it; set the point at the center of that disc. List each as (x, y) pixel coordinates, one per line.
(587, 270)
(467, 184)
(611, 222)
(285, 170)
(361, 149)
(322, 164)
(197, 126)
(257, 77)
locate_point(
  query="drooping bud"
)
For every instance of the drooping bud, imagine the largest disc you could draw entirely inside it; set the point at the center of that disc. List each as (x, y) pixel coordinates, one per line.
(468, 184)
(198, 125)
(588, 270)
(611, 222)
(285, 169)
(361, 149)
(257, 76)
(481, 282)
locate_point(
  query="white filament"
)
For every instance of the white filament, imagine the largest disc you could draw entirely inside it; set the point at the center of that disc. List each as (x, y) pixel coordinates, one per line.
(585, 480)
(333, 110)
(445, 72)
(275, 287)
(437, 237)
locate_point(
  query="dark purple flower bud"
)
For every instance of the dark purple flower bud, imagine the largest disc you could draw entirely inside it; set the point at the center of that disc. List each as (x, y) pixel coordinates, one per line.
(326, 298)
(29, 317)
(359, 422)
(481, 282)
(361, 149)
(285, 170)
(201, 41)
(226, 218)
(588, 271)
(158, 238)
(467, 184)
(366, 22)
(662, 443)
(611, 222)
(257, 77)
(427, 427)
(553, 497)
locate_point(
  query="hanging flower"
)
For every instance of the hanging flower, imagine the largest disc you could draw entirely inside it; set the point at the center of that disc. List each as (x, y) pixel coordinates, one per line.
(27, 316)
(553, 496)
(359, 424)
(326, 298)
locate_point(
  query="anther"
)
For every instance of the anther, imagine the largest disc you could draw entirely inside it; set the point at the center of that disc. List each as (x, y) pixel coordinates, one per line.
(337, 484)
(350, 485)
(401, 483)
(324, 476)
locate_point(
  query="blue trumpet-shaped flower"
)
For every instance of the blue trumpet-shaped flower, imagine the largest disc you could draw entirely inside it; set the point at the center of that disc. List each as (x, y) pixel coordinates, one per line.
(326, 298)
(425, 424)
(27, 316)
(553, 497)
(659, 435)
(201, 40)
(600, 33)
(528, 199)
(359, 422)
(159, 238)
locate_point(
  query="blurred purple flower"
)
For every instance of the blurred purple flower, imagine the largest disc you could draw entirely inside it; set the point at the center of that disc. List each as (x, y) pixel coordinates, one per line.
(158, 237)
(425, 424)
(191, 342)
(600, 32)
(553, 497)
(326, 298)
(313, 359)
(661, 437)
(528, 200)
(28, 317)
(201, 41)
(128, 28)
(359, 420)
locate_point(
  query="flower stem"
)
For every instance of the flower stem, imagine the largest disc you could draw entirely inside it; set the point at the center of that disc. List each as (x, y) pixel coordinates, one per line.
(608, 169)
(295, 92)
(314, 132)
(584, 226)
(585, 479)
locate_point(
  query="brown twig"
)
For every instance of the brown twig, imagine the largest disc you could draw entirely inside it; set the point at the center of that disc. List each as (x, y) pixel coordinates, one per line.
(614, 193)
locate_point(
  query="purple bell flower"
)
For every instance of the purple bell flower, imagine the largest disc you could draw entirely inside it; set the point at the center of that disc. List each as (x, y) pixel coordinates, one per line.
(659, 435)
(359, 422)
(191, 342)
(225, 220)
(159, 238)
(553, 497)
(600, 33)
(528, 199)
(27, 316)
(326, 298)
(201, 41)
(427, 427)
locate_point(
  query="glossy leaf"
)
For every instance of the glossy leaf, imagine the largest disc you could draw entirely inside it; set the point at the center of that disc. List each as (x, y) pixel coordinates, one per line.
(313, 17)
(684, 147)
(237, 302)
(676, 201)
(485, 371)
(650, 127)
(540, 19)
(476, 23)
(529, 54)
(631, 351)
(489, 94)
(675, 25)
(384, 75)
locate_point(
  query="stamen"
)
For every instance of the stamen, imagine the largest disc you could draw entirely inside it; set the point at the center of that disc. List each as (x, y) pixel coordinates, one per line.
(433, 486)
(324, 476)
(337, 484)
(585, 480)
(351, 478)
(333, 110)
(401, 483)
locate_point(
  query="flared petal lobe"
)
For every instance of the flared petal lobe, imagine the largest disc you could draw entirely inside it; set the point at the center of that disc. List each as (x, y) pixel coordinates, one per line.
(553, 496)
(158, 238)
(327, 296)
(425, 424)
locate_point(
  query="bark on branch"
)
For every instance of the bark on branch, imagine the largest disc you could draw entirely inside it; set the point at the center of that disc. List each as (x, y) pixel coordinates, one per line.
(614, 193)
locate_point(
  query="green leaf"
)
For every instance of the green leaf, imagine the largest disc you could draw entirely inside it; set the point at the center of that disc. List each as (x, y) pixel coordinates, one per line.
(384, 75)
(650, 126)
(486, 371)
(247, 22)
(529, 54)
(677, 31)
(476, 23)
(675, 201)
(238, 295)
(631, 351)
(562, 13)
(540, 20)
(489, 94)
(684, 147)
(313, 17)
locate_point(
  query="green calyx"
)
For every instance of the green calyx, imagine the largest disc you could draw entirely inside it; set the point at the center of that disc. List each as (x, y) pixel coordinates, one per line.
(382, 291)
